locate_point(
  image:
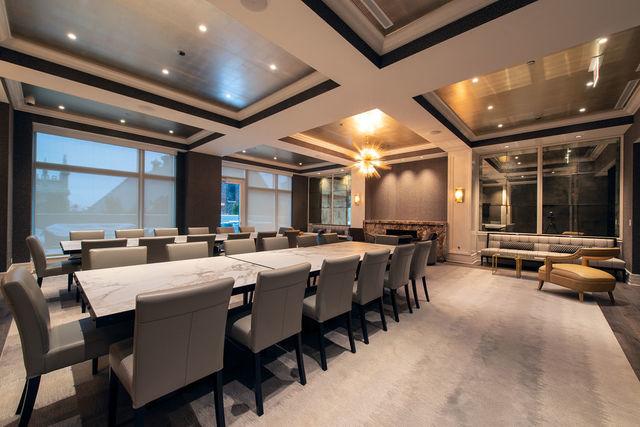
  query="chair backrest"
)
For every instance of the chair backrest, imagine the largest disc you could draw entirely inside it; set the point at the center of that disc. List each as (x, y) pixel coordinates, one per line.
(357, 234)
(178, 337)
(274, 243)
(162, 232)
(117, 257)
(225, 230)
(130, 233)
(277, 305)
(369, 238)
(419, 259)
(87, 245)
(197, 230)
(383, 239)
(238, 236)
(283, 230)
(180, 251)
(156, 251)
(235, 247)
(327, 238)
(335, 287)
(371, 276)
(31, 314)
(292, 237)
(306, 240)
(593, 254)
(400, 266)
(247, 229)
(209, 238)
(86, 234)
(261, 236)
(37, 255)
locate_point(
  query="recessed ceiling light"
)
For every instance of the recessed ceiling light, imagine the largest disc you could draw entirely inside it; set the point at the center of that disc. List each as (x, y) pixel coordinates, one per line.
(602, 40)
(506, 146)
(500, 125)
(123, 121)
(165, 71)
(275, 158)
(578, 136)
(72, 36)
(519, 163)
(227, 95)
(244, 151)
(589, 84)
(171, 132)
(475, 80)
(273, 67)
(490, 107)
(422, 157)
(521, 176)
(582, 110)
(202, 28)
(553, 171)
(318, 173)
(61, 107)
(516, 157)
(300, 164)
(341, 170)
(568, 150)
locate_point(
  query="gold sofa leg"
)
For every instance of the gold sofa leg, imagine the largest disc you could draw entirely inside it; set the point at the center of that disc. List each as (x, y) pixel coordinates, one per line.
(581, 296)
(540, 283)
(613, 301)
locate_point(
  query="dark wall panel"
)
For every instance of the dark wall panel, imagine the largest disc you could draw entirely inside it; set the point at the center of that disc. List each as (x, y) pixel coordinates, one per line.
(635, 239)
(630, 191)
(22, 161)
(6, 143)
(299, 202)
(409, 191)
(200, 183)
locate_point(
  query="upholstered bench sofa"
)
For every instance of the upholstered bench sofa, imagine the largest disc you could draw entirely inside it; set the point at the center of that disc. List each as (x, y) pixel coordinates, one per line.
(534, 248)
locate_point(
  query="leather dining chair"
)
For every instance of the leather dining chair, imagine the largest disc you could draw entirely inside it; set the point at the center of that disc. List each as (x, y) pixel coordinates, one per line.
(248, 229)
(86, 234)
(238, 236)
(283, 230)
(225, 230)
(276, 315)
(357, 234)
(333, 298)
(307, 240)
(197, 230)
(156, 251)
(182, 251)
(370, 287)
(51, 269)
(163, 232)
(398, 276)
(418, 266)
(117, 257)
(45, 347)
(328, 238)
(291, 236)
(130, 233)
(88, 245)
(275, 243)
(262, 235)
(209, 238)
(383, 239)
(178, 339)
(369, 238)
(236, 247)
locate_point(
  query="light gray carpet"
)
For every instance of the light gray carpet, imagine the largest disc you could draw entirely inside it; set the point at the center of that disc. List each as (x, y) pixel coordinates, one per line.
(488, 350)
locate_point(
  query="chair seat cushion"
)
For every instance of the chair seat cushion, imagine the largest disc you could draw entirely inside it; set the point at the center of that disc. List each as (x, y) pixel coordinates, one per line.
(309, 307)
(579, 272)
(121, 361)
(62, 267)
(241, 331)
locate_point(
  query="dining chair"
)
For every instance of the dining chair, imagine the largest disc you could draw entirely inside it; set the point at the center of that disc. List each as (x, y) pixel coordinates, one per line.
(274, 243)
(238, 236)
(369, 238)
(398, 275)
(236, 247)
(182, 251)
(383, 239)
(130, 233)
(283, 230)
(197, 230)
(261, 236)
(417, 270)
(276, 315)
(291, 236)
(163, 232)
(333, 298)
(45, 347)
(328, 238)
(44, 269)
(117, 257)
(86, 234)
(209, 238)
(87, 245)
(247, 229)
(306, 240)
(370, 287)
(178, 339)
(225, 230)
(156, 251)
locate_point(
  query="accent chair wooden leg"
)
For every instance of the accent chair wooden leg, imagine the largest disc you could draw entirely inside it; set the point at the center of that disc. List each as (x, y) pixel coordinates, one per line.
(382, 317)
(29, 400)
(218, 399)
(406, 294)
(257, 386)
(415, 292)
(394, 305)
(21, 402)
(299, 357)
(352, 341)
(424, 285)
(323, 354)
(363, 324)
(613, 301)
(113, 398)
(540, 284)
(581, 296)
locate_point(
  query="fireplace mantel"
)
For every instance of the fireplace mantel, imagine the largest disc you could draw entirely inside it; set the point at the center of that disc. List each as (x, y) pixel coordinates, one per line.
(424, 229)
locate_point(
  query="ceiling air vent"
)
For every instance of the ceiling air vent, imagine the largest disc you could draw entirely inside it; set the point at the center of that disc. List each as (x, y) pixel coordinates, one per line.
(626, 94)
(377, 13)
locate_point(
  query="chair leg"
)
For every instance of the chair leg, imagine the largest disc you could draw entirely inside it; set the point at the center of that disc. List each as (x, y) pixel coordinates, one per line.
(83, 305)
(77, 295)
(424, 285)
(113, 398)
(394, 305)
(257, 386)
(40, 281)
(29, 400)
(613, 301)
(218, 399)
(415, 292)
(323, 354)
(352, 341)
(138, 417)
(94, 366)
(21, 402)
(298, 344)
(406, 294)
(581, 296)
(382, 317)
(363, 324)
(69, 281)
(245, 298)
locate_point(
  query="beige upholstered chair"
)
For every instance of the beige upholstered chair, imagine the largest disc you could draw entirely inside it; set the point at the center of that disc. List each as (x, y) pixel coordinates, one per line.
(398, 276)
(209, 238)
(52, 269)
(276, 315)
(369, 287)
(181, 251)
(87, 245)
(383, 239)
(262, 235)
(225, 230)
(247, 229)
(130, 233)
(238, 236)
(45, 347)
(418, 265)
(86, 234)
(369, 238)
(333, 298)
(117, 257)
(274, 243)
(235, 247)
(306, 240)
(197, 230)
(163, 232)
(292, 237)
(328, 238)
(581, 278)
(178, 339)
(156, 251)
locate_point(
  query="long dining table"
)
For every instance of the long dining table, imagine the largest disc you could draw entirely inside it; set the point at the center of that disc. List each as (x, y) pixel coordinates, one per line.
(110, 293)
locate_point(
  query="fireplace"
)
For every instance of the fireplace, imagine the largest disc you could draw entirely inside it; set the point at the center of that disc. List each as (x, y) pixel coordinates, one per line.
(421, 229)
(399, 232)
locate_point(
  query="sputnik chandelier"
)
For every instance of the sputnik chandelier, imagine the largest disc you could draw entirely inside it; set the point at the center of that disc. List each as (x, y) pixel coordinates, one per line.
(368, 159)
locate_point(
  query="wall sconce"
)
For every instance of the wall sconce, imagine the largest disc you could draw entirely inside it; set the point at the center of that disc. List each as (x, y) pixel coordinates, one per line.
(458, 195)
(356, 199)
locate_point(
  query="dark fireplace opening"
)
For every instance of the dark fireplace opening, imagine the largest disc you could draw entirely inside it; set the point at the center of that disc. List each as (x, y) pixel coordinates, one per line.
(398, 232)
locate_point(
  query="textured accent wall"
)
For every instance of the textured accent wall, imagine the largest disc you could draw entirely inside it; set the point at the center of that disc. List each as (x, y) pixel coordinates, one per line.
(409, 191)
(199, 185)
(631, 194)
(6, 152)
(299, 202)
(22, 165)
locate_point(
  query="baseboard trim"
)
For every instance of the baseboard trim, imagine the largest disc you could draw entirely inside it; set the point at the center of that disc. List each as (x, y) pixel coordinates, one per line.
(632, 279)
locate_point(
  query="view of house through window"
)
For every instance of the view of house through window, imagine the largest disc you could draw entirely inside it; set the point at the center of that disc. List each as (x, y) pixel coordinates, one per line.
(330, 200)
(80, 184)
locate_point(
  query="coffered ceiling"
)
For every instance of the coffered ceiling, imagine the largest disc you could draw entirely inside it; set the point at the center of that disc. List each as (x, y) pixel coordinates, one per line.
(272, 154)
(395, 14)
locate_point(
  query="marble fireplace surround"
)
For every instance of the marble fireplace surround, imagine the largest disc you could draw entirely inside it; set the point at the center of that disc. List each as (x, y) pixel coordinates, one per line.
(424, 229)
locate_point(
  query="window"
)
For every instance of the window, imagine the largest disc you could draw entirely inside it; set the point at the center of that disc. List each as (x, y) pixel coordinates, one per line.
(81, 184)
(330, 200)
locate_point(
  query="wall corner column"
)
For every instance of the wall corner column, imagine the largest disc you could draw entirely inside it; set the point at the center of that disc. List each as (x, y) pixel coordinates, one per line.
(460, 245)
